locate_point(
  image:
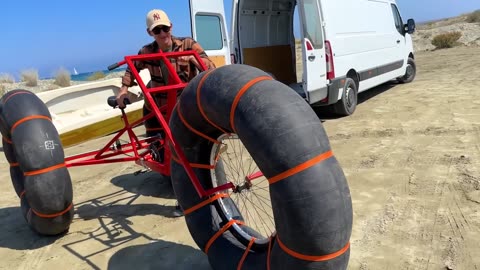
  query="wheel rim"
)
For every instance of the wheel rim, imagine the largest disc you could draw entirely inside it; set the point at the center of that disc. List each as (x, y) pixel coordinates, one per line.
(251, 194)
(350, 93)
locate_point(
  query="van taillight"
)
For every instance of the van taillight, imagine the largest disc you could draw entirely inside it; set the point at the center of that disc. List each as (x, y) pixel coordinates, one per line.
(329, 58)
(308, 45)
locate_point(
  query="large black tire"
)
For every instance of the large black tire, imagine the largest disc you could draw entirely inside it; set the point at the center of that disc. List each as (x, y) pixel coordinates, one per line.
(35, 153)
(348, 103)
(410, 73)
(309, 193)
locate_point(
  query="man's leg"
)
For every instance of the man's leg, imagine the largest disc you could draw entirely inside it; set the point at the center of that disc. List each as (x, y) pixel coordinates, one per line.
(153, 128)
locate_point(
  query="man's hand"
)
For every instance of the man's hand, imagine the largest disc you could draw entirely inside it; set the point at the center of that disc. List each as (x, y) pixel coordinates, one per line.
(189, 58)
(121, 96)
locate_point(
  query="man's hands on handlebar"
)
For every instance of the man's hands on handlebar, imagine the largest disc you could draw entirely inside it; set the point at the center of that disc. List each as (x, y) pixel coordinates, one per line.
(122, 96)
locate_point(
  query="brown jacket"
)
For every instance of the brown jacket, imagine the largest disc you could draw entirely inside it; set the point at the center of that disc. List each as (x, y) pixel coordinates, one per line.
(185, 72)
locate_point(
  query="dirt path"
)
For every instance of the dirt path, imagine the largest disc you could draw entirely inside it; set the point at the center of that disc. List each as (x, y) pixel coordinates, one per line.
(410, 152)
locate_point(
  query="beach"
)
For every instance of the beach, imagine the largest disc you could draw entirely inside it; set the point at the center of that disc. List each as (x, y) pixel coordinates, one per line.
(410, 153)
(49, 84)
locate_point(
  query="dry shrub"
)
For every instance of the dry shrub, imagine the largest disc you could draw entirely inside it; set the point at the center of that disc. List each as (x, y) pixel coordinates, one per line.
(96, 76)
(474, 17)
(6, 78)
(427, 35)
(62, 78)
(2, 90)
(447, 40)
(30, 77)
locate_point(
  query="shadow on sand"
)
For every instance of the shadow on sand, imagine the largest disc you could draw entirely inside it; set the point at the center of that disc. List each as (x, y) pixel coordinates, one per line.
(151, 184)
(159, 255)
(326, 113)
(17, 234)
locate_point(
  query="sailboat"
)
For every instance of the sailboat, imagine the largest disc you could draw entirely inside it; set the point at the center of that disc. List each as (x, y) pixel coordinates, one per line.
(75, 71)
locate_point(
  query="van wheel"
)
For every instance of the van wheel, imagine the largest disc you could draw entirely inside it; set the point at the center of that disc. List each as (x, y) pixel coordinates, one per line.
(346, 106)
(409, 73)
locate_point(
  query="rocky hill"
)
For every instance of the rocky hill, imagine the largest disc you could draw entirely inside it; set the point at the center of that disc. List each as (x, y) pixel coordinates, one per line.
(422, 38)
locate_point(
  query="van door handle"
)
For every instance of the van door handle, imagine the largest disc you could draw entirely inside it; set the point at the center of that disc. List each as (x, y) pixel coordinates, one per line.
(311, 58)
(398, 41)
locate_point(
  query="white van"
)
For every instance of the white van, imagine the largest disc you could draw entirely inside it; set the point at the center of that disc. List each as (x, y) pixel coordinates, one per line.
(348, 46)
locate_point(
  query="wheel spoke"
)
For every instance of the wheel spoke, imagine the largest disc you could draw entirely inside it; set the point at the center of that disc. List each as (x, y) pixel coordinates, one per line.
(251, 194)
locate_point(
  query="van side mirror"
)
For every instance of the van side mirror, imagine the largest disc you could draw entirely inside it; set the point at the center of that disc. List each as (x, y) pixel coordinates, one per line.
(410, 26)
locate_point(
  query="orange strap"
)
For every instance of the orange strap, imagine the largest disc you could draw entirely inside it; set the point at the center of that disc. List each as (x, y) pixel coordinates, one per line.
(49, 169)
(301, 167)
(192, 129)
(14, 164)
(313, 258)
(22, 193)
(17, 93)
(199, 105)
(206, 202)
(28, 118)
(7, 140)
(240, 264)
(52, 215)
(220, 232)
(240, 94)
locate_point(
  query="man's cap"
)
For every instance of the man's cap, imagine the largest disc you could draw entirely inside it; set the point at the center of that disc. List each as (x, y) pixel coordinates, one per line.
(157, 17)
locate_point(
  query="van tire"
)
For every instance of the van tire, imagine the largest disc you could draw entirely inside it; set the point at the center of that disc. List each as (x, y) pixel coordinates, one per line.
(410, 73)
(348, 103)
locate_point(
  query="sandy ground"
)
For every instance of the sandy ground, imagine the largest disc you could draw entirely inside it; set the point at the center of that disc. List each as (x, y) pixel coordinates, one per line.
(410, 153)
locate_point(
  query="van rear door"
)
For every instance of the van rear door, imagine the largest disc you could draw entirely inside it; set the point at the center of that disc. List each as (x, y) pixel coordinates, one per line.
(313, 50)
(209, 29)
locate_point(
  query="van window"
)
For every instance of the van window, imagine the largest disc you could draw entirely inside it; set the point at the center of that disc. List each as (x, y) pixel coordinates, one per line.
(398, 19)
(311, 26)
(209, 32)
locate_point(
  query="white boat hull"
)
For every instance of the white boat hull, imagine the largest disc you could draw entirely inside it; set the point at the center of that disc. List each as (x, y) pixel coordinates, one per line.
(81, 113)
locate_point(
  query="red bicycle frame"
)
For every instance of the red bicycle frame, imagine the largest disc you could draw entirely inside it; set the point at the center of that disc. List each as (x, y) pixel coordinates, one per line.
(139, 150)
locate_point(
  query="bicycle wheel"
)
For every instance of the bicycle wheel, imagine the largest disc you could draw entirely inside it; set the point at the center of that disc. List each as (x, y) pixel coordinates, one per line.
(251, 195)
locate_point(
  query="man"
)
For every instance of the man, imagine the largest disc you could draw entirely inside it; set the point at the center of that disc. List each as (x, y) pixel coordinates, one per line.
(160, 28)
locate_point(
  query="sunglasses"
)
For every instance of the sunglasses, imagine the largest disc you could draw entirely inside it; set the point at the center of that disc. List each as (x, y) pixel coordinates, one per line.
(159, 29)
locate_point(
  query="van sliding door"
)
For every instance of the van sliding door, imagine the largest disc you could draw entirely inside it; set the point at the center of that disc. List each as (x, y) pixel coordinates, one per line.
(209, 28)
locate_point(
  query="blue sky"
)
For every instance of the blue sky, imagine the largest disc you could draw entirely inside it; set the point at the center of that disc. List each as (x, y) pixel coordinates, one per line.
(90, 35)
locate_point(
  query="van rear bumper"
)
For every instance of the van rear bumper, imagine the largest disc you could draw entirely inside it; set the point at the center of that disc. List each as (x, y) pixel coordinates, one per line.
(327, 95)
(336, 85)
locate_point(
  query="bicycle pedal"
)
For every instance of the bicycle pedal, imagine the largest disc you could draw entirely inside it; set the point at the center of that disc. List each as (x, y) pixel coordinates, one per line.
(116, 147)
(157, 151)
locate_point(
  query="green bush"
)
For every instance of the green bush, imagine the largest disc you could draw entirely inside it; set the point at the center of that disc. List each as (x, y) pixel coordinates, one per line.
(6, 78)
(96, 76)
(447, 40)
(30, 77)
(62, 78)
(474, 17)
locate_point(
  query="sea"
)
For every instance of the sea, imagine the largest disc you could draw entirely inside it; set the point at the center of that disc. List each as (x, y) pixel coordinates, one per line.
(85, 75)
